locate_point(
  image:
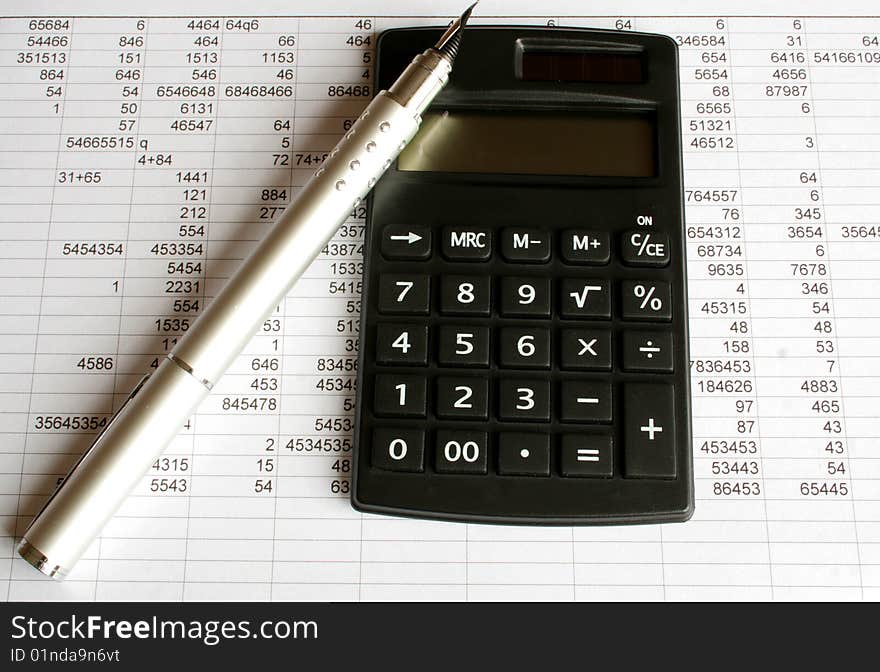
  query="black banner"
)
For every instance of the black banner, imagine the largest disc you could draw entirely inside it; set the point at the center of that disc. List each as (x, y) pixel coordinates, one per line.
(415, 636)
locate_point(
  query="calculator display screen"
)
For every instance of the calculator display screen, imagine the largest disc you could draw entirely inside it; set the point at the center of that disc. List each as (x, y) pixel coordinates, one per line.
(536, 143)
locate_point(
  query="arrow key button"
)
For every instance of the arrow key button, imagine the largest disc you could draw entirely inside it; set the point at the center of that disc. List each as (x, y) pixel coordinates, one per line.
(406, 242)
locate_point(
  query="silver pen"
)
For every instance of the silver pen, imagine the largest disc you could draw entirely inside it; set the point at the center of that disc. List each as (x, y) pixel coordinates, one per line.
(160, 404)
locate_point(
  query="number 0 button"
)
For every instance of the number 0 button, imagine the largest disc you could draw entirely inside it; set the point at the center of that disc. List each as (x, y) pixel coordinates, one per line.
(398, 449)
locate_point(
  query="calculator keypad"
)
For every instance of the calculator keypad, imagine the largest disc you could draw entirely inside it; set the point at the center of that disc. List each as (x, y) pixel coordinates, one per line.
(522, 355)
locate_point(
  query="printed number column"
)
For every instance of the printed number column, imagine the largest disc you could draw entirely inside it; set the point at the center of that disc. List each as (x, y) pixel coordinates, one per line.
(844, 69)
(238, 425)
(727, 452)
(809, 510)
(34, 57)
(314, 521)
(164, 287)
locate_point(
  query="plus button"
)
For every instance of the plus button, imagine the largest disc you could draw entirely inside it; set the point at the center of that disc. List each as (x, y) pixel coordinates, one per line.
(650, 429)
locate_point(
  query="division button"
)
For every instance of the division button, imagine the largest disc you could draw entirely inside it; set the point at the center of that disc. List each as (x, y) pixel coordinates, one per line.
(647, 351)
(648, 431)
(523, 454)
(406, 242)
(397, 449)
(586, 455)
(645, 248)
(466, 243)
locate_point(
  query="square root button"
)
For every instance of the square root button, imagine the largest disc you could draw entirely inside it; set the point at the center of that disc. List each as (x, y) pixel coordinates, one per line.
(648, 431)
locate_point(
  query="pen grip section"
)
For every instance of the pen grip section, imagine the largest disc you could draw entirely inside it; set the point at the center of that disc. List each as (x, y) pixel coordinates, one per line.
(301, 232)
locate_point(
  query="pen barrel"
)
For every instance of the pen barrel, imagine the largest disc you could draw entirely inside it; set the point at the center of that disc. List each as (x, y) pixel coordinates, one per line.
(142, 429)
(110, 469)
(301, 232)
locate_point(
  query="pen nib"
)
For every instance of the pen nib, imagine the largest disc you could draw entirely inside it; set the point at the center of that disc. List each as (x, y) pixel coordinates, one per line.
(449, 42)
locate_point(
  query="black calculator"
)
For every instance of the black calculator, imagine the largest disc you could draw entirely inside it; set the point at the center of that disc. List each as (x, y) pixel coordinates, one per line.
(523, 334)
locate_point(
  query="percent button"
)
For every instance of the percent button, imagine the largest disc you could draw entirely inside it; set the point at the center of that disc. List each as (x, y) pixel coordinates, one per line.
(646, 300)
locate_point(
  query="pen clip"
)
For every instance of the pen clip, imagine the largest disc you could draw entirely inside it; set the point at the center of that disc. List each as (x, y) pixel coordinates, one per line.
(131, 395)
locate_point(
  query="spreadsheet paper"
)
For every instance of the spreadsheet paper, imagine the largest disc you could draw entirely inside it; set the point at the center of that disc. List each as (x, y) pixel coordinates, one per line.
(143, 155)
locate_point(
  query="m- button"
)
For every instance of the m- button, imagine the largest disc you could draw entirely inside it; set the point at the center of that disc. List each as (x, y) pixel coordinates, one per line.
(465, 243)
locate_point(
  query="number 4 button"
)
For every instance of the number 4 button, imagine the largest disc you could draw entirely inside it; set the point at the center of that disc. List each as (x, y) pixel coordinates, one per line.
(402, 344)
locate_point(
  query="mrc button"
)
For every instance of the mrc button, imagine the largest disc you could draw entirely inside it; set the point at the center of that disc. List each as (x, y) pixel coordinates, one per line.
(466, 243)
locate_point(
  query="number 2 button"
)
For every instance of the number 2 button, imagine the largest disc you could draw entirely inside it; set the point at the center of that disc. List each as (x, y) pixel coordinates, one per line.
(462, 398)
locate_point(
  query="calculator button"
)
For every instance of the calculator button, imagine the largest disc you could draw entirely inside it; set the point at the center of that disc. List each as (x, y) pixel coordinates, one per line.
(397, 396)
(522, 454)
(465, 295)
(586, 455)
(582, 246)
(461, 452)
(463, 346)
(406, 242)
(524, 400)
(585, 298)
(402, 344)
(645, 248)
(404, 294)
(466, 243)
(648, 431)
(648, 351)
(397, 449)
(525, 245)
(646, 300)
(463, 398)
(524, 347)
(525, 297)
(586, 349)
(585, 402)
